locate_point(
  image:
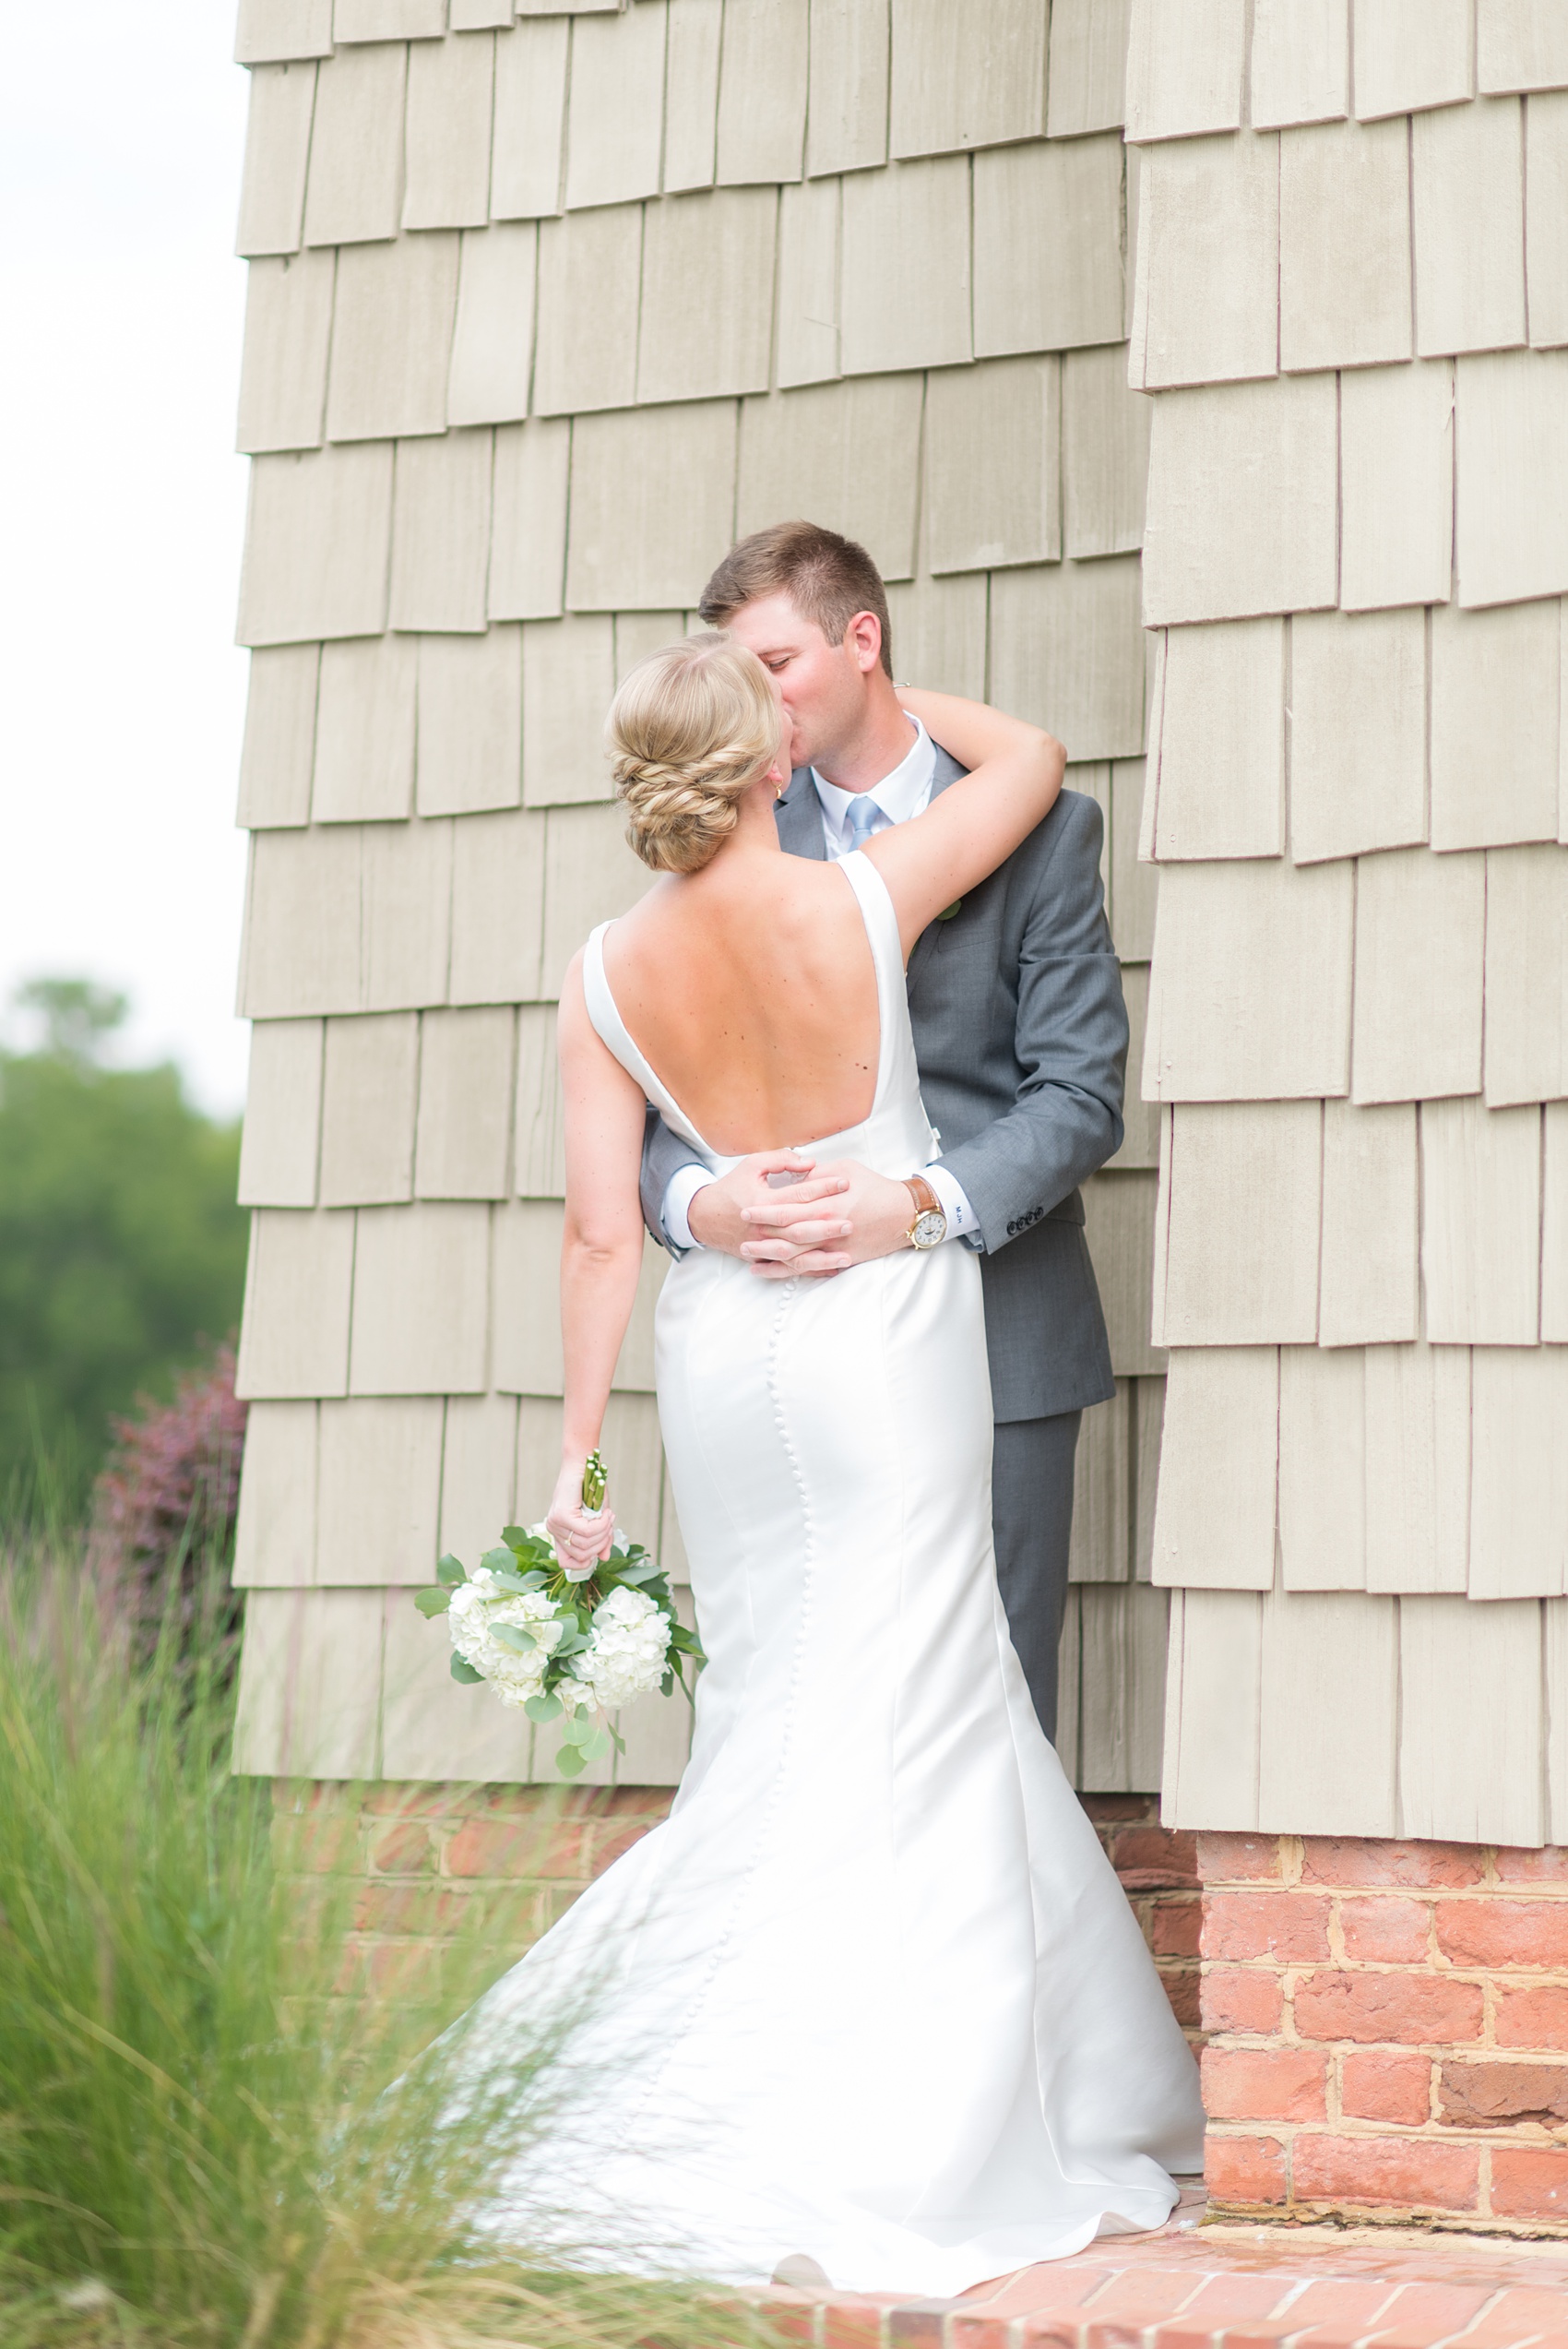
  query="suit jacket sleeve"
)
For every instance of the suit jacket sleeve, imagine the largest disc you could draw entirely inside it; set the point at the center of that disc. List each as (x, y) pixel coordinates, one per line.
(1071, 1045)
(664, 1154)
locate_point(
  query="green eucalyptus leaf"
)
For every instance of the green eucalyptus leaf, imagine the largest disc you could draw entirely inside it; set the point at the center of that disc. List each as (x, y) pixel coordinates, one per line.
(667, 1684)
(431, 1603)
(463, 1670)
(499, 1561)
(516, 1638)
(450, 1571)
(571, 1761)
(595, 1747)
(544, 1708)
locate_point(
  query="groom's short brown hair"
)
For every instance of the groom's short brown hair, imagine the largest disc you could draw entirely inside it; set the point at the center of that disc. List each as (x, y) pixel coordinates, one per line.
(827, 578)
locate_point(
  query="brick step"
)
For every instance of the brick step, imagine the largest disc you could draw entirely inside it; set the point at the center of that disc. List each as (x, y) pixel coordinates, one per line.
(1218, 2287)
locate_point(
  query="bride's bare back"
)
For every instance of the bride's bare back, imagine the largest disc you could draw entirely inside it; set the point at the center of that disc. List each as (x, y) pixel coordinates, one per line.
(749, 989)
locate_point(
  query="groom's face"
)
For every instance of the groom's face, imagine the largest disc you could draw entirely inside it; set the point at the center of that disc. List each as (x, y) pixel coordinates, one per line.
(822, 686)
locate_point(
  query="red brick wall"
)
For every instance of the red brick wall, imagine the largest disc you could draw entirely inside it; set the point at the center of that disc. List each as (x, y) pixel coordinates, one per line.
(1387, 2030)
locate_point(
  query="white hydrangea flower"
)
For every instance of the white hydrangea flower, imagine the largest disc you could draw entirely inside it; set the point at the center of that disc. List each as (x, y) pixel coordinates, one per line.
(628, 1649)
(479, 1604)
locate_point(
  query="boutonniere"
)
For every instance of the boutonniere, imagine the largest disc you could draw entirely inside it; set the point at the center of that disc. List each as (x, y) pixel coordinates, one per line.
(948, 911)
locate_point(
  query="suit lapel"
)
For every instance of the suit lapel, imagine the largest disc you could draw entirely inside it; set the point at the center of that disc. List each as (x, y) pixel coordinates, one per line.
(799, 817)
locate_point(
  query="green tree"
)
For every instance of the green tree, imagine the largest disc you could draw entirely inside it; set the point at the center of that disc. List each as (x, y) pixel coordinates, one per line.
(122, 1250)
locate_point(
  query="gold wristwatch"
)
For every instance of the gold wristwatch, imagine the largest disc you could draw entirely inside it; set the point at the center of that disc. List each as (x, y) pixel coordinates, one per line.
(929, 1227)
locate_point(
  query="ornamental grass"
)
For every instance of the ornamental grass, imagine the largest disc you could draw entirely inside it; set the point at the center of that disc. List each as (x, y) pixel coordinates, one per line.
(204, 2138)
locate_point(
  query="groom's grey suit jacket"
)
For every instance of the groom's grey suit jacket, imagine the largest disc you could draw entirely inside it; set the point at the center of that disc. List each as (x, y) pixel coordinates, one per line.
(1021, 1038)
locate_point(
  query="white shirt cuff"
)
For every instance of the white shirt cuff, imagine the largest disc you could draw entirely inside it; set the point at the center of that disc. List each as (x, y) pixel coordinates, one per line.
(679, 1193)
(961, 1217)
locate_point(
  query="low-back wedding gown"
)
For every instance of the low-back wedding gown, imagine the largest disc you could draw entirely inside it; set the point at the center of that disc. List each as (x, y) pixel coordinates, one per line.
(871, 1994)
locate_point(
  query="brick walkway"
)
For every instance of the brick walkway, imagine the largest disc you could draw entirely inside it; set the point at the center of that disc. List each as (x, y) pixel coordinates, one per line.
(1229, 2287)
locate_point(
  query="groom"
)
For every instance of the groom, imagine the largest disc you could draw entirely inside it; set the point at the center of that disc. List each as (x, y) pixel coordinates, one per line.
(1021, 1037)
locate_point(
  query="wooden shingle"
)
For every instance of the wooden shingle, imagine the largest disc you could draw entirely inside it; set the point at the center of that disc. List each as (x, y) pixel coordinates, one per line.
(370, 1085)
(1481, 1223)
(1221, 748)
(355, 192)
(1140, 1144)
(540, 1151)
(1554, 1225)
(993, 461)
(393, 328)
(1526, 975)
(1419, 925)
(283, 373)
(1468, 190)
(1210, 1769)
(275, 1531)
(431, 1727)
(939, 631)
(1521, 45)
(380, 1487)
(975, 79)
(846, 455)
(1409, 53)
(465, 1106)
(388, 19)
(1300, 62)
(405, 916)
(1133, 885)
(1242, 514)
(1119, 1212)
(279, 738)
(1228, 1019)
(1210, 210)
(1100, 1548)
(526, 1347)
(270, 29)
(1396, 486)
(530, 120)
(497, 908)
(492, 338)
(1328, 1656)
(1368, 1283)
(478, 16)
(1086, 82)
(1511, 515)
(477, 1473)
(1149, 1429)
(1358, 732)
(589, 267)
(1322, 1511)
(1066, 652)
(1546, 218)
(1518, 1472)
(422, 1284)
(1245, 1193)
(568, 679)
(441, 532)
(590, 876)
(706, 293)
(470, 722)
(272, 193)
(806, 329)
(1417, 1466)
(302, 944)
(282, 1129)
(316, 539)
(691, 92)
(905, 270)
(1047, 292)
(1105, 431)
(1470, 1724)
(1122, 1703)
(638, 634)
(762, 91)
(1222, 1432)
(847, 105)
(1495, 725)
(365, 731)
(309, 1699)
(294, 1332)
(615, 106)
(1185, 71)
(451, 88)
(527, 526)
(1344, 244)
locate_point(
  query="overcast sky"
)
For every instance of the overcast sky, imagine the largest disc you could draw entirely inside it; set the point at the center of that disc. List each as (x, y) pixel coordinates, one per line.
(122, 694)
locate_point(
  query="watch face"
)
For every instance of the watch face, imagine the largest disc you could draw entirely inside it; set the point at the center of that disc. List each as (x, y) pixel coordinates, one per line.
(930, 1228)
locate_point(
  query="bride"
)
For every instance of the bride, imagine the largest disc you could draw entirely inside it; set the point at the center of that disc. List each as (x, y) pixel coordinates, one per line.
(871, 2007)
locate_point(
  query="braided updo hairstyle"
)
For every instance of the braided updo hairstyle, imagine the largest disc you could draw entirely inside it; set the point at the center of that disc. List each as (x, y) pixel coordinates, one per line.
(689, 732)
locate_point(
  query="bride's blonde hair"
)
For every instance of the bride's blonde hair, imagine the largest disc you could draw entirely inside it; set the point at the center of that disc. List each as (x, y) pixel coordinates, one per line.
(689, 732)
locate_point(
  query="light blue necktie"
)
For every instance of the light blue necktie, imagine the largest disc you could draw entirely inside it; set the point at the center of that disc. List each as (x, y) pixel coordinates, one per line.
(863, 817)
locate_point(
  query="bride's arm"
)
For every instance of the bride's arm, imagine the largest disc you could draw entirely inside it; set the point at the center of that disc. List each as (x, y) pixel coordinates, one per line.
(601, 1253)
(1014, 775)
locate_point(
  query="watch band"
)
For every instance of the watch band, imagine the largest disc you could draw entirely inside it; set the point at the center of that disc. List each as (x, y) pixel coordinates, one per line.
(930, 1214)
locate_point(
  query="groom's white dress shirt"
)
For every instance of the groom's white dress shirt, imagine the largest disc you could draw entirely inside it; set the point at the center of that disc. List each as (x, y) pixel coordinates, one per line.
(905, 793)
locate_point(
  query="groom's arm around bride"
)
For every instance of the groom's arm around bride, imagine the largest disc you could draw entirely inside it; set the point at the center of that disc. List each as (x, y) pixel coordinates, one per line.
(1021, 1037)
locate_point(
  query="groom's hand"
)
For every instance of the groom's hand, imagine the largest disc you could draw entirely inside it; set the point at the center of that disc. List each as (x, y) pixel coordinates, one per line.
(871, 1217)
(742, 1214)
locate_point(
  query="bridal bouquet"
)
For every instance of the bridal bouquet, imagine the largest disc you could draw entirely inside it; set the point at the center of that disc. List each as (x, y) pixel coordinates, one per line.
(564, 1642)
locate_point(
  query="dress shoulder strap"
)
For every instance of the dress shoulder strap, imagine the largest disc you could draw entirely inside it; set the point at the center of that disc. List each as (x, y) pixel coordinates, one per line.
(614, 1034)
(886, 953)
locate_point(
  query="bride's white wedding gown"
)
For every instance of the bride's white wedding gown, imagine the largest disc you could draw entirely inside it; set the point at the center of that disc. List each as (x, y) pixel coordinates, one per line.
(871, 1994)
